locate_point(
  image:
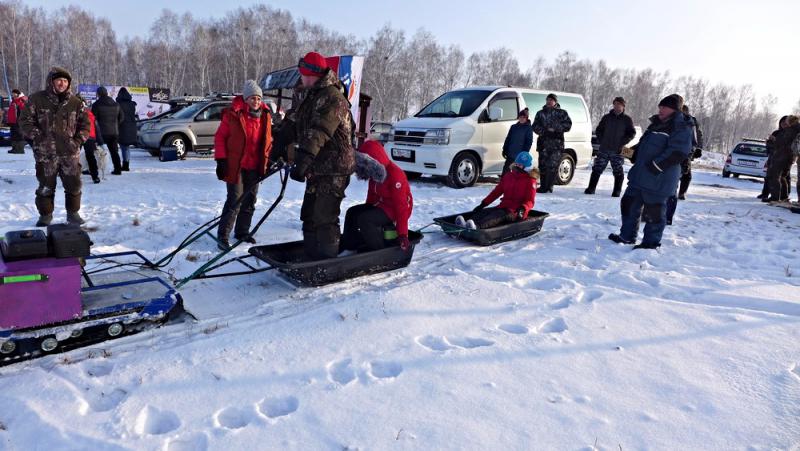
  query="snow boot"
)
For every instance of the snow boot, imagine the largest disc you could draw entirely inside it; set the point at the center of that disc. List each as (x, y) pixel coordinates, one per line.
(245, 239)
(74, 218)
(618, 239)
(647, 246)
(44, 220)
(618, 179)
(223, 244)
(460, 221)
(592, 183)
(126, 166)
(471, 225)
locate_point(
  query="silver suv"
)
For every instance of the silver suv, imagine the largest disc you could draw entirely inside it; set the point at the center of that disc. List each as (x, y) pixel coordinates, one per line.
(190, 129)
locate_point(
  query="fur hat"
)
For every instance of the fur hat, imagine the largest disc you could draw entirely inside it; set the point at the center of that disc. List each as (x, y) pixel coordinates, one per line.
(524, 160)
(313, 64)
(251, 89)
(673, 101)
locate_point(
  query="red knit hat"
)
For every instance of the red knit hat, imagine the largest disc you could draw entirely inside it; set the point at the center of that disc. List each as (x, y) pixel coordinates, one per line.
(313, 64)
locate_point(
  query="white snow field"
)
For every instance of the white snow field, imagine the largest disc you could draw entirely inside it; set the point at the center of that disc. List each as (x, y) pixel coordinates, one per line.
(560, 341)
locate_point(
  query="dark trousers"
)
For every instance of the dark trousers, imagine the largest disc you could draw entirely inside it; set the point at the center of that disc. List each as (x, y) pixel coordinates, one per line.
(112, 142)
(363, 227)
(507, 166)
(778, 175)
(46, 192)
(602, 159)
(491, 217)
(240, 212)
(17, 141)
(89, 148)
(686, 177)
(320, 215)
(637, 206)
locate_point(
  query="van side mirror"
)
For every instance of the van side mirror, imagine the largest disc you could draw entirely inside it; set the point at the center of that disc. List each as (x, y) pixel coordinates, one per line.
(495, 113)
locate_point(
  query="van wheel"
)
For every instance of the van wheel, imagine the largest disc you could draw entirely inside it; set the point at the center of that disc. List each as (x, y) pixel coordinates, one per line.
(725, 174)
(412, 175)
(464, 171)
(180, 144)
(566, 170)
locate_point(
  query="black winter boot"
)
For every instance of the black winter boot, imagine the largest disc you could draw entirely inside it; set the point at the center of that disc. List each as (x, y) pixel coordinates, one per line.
(618, 179)
(595, 177)
(618, 239)
(126, 166)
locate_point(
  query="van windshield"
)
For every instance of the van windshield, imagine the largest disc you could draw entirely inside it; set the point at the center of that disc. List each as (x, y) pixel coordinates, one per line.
(189, 111)
(455, 104)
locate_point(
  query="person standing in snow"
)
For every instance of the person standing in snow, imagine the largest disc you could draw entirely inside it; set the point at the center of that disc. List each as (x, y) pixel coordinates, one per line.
(781, 160)
(321, 128)
(242, 148)
(127, 128)
(686, 165)
(519, 139)
(387, 208)
(18, 101)
(109, 116)
(518, 188)
(56, 123)
(770, 142)
(614, 131)
(655, 174)
(90, 146)
(550, 124)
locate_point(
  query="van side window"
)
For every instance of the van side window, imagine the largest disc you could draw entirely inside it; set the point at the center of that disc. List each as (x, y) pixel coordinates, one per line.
(574, 106)
(534, 102)
(507, 101)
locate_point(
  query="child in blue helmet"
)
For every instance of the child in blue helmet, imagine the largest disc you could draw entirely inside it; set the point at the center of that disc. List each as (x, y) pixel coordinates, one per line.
(518, 188)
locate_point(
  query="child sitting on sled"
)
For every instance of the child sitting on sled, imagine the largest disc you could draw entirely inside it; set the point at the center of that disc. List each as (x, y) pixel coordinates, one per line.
(518, 188)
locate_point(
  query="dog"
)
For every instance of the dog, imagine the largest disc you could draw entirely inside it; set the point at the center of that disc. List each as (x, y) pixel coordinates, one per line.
(101, 155)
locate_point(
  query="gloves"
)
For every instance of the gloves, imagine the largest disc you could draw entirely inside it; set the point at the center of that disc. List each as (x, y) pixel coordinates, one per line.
(405, 245)
(654, 168)
(222, 168)
(478, 208)
(300, 167)
(698, 152)
(520, 213)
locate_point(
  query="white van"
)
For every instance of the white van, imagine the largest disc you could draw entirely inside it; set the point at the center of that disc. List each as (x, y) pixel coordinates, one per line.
(460, 135)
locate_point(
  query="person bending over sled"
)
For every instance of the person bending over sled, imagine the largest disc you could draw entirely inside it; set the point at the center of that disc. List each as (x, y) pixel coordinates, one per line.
(389, 203)
(518, 188)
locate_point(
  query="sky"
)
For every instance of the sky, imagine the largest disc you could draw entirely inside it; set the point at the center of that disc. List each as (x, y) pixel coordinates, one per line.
(732, 42)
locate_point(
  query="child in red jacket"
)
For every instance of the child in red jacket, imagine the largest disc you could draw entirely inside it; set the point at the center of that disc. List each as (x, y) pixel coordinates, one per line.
(388, 206)
(518, 188)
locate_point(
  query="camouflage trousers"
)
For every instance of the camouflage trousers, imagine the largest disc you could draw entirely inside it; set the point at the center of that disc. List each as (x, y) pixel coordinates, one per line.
(320, 215)
(549, 158)
(602, 159)
(47, 176)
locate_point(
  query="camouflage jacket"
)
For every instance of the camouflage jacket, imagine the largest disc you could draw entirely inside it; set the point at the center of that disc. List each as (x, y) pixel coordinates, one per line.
(57, 125)
(322, 128)
(548, 119)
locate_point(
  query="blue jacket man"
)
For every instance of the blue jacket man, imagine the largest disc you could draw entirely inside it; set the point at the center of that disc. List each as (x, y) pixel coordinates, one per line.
(655, 174)
(519, 139)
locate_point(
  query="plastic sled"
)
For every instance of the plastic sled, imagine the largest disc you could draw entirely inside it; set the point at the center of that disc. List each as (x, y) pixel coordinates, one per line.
(485, 237)
(289, 259)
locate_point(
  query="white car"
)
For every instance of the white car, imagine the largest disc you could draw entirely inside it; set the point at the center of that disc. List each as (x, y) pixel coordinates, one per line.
(460, 135)
(749, 157)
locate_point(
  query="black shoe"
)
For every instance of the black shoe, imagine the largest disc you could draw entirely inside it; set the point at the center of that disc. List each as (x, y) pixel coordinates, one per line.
(117, 172)
(647, 246)
(681, 197)
(126, 166)
(96, 179)
(246, 239)
(767, 199)
(85, 172)
(588, 191)
(618, 239)
(761, 196)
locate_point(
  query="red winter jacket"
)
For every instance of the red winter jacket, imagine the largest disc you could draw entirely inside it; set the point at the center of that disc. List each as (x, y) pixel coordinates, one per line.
(17, 105)
(393, 196)
(92, 131)
(518, 190)
(243, 140)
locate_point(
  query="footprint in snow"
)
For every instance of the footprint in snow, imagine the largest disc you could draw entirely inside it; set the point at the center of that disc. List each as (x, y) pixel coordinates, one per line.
(562, 304)
(553, 326)
(278, 407)
(153, 421)
(433, 343)
(590, 296)
(385, 369)
(516, 329)
(231, 418)
(103, 401)
(99, 369)
(341, 372)
(469, 342)
(192, 442)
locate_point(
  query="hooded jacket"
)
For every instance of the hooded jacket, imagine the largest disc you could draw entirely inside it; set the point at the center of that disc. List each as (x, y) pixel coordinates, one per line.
(107, 112)
(667, 144)
(393, 195)
(518, 190)
(56, 123)
(244, 141)
(15, 109)
(127, 128)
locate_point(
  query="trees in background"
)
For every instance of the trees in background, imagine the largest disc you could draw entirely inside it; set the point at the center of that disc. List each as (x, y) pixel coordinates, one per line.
(402, 72)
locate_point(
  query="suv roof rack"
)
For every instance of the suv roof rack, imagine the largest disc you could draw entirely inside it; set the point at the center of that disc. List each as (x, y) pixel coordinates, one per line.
(754, 140)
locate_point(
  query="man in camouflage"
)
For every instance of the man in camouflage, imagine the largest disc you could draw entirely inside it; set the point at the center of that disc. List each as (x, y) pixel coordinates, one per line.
(550, 124)
(54, 120)
(321, 130)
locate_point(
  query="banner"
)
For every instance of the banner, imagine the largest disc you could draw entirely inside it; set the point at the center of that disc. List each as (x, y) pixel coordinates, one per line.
(149, 101)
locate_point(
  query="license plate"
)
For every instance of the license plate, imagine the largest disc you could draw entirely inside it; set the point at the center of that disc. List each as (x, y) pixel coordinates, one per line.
(747, 163)
(401, 153)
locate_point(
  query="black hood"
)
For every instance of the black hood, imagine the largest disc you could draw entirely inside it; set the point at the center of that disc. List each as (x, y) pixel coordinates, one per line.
(123, 94)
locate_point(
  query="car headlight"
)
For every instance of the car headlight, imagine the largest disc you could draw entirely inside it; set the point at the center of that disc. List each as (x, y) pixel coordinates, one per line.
(437, 136)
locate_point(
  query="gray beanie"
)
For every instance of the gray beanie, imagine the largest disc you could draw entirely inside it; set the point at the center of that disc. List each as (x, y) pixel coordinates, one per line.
(250, 89)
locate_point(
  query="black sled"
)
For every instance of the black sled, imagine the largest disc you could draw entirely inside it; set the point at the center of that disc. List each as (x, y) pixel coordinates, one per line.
(486, 237)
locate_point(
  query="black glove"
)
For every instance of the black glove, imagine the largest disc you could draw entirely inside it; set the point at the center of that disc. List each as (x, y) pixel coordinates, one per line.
(478, 208)
(698, 152)
(299, 169)
(222, 168)
(505, 155)
(654, 168)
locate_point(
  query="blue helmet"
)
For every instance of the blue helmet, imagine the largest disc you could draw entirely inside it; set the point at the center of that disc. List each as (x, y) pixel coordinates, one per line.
(525, 160)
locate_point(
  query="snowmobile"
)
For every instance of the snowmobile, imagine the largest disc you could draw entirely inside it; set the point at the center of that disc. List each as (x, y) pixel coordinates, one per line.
(486, 237)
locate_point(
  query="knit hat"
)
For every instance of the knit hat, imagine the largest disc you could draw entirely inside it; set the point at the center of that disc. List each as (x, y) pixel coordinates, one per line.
(525, 160)
(673, 101)
(619, 100)
(102, 91)
(313, 64)
(251, 89)
(552, 96)
(525, 112)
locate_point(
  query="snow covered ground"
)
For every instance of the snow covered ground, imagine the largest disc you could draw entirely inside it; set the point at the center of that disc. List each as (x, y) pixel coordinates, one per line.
(563, 340)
